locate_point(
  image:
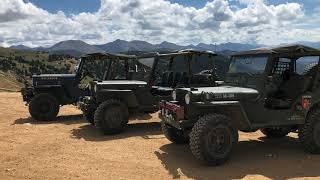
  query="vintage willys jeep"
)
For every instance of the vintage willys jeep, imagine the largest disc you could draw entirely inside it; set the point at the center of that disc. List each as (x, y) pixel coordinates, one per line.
(276, 90)
(50, 91)
(138, 86)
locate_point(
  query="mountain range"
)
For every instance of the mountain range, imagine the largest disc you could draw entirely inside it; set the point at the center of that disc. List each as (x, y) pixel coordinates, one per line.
(78, 48)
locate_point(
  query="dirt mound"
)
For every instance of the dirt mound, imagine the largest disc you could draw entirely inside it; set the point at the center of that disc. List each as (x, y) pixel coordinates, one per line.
(70, 148)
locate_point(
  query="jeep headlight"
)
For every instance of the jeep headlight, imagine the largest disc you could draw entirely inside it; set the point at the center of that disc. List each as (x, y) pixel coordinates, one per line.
(174, 95)
(187, 98)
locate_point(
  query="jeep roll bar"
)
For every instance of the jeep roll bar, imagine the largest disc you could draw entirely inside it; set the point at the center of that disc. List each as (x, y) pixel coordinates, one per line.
(295, 50)
(176, 53)
(102, 56)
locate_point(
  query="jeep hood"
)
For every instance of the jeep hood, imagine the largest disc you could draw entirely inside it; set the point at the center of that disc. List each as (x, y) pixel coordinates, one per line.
(53, 79)
(54, 76)
(121, 82)
(225, 89)
(226, 92)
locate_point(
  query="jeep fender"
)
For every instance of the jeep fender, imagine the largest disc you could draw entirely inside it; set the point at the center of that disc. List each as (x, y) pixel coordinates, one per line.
(313, 105)
(126, 96)
(57, 91)
(232, 109)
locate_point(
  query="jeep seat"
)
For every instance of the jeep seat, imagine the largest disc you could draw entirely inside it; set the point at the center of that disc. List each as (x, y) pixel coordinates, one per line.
(289, 91)
(296, 85)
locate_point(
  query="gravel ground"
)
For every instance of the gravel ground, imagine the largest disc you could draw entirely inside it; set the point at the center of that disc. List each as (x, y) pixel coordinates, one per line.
(70, 148)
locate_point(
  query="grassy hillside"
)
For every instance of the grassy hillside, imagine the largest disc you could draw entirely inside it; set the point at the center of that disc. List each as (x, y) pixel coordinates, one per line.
(8, 82)
(16, 66)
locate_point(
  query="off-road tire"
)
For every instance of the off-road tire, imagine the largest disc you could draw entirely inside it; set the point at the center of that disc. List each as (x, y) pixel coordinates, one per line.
(275, 132)
(111, 116)
(89, 116)
(309, 133)
(173, 134)
(44, 107)
(201, 131)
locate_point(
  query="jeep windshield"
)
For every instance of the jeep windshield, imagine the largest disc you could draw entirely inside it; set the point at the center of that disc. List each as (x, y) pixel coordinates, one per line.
(245, 70)
(181, 70)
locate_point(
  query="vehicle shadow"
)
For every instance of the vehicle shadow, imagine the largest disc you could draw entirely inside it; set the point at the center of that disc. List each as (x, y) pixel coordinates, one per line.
(275, 159)
(68, 120)
(145, 130)
(140, 116)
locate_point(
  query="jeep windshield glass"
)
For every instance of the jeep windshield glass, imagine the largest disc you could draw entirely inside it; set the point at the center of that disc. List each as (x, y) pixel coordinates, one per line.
(245, 71)
(140, 69)
(202, 64)
(93, 69)
(249, 65)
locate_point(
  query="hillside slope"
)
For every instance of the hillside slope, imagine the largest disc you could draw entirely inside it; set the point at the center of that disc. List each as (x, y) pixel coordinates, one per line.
(8, 82)
(17, 65)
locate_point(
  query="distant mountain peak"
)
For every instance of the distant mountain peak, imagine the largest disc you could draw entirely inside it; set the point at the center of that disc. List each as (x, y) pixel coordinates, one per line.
(79, 48)
(20, 47)
(74, 48)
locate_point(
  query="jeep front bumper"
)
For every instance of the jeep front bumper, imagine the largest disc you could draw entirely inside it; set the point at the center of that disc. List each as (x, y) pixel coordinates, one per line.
(172, 114)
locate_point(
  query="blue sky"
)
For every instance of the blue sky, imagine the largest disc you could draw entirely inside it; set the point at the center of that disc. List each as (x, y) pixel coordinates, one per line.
(77, 6)
(68, 6)
(270, 22)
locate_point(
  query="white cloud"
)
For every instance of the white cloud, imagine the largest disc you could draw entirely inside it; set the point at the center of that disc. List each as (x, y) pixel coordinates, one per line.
(154, 21)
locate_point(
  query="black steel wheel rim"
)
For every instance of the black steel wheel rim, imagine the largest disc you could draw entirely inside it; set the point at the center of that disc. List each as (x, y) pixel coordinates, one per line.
(219, 141)
(44, 107)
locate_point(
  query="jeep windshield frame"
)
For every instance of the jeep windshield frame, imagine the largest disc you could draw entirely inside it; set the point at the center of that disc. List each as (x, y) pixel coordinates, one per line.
(170, 60)
(101, 57)
(247, 70)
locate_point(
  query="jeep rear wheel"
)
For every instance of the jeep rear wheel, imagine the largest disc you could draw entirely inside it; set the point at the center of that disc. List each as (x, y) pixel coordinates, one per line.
(212, 139)
(309, 134)
(174, 135)
(276, 132)
(44, 107)
(111, 116)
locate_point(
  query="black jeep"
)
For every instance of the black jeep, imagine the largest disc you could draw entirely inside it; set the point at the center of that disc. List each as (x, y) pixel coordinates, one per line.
(50, 91)
(139, 85)
(276, 90)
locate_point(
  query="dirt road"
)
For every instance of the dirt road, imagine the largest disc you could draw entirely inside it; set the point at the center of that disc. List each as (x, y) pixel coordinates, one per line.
(69, 148)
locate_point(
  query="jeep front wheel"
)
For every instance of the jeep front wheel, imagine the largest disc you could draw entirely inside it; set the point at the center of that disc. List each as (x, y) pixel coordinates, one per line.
(174, 135)
(276, 132)
(44, 107)
(212, 139)
(309, 133)
(111, 116)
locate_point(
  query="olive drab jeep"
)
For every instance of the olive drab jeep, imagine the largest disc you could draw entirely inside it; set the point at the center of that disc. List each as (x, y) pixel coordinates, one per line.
(138, 85)
(50, 91)
(275, 90)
